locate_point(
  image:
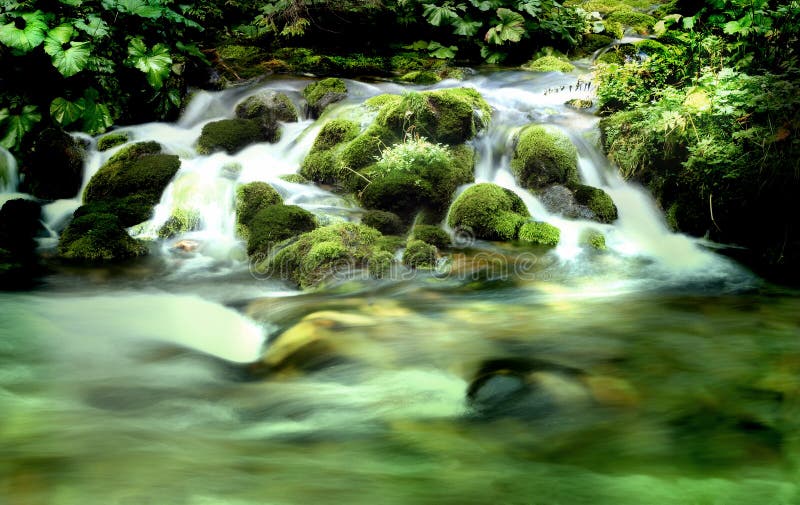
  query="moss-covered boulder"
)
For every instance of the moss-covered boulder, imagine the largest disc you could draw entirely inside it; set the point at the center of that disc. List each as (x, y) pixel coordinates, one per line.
(432, 235)
(275, 223)
(488, 211)
(539, 233)
(294, 179)
(53, 167)
(233, 135)
(420, 255)
(544, 156)
(387, 223)
(98, 237)
(268, 107)
(323, 93)
(315, 256)
(417, 175)
(334, 132)
(642, 23)
(549, 64)
(380, 264)
(591, 42)
(447, 116)
(238, 62)
(252, 197)
(593, 239)
(420, 77)
(130, 184)
(597, 201)
(181, 221)
(110, 140)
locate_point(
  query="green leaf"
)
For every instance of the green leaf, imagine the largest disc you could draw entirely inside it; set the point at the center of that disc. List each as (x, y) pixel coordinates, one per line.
(140, 8)
(485, 5)
(96, 116)
(491, 56)
(16, 126)
(688, 23)
(93, 26)
(417, 46)
(438, 15)
(68, 60)
(510, 29)
(465, 27)
(732, 27)
(72, 3)
(65, 112)
(25, 31)
(155, 63)
(437, 50)
(192, 50)
(532, 7)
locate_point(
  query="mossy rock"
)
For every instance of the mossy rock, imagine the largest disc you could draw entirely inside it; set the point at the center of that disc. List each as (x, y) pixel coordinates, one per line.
(549, 64)
(110, 140)
(420, 255)
(488, 211)
(181, 221)
(579, 103)
(130, 184)
(420, 77)
(593, 41)
(233, 135)
(252, 197)
(53, 166)
(294, 179)
(432, 235)
(539, 233)
(544, 156)
(390, 243)
(335, 132)
(274, 224)
(447, 116)
(416, 175)
(364, 149)
(380, 264)
(356, 246)
(98, 238)
(242, 62)
(619, 54)
(651, 47)
(593, 239)
(614, 28)
(597, 201)
(642, 23)
(321, 167)
(387, 223)
(319, 95)
(269, 107)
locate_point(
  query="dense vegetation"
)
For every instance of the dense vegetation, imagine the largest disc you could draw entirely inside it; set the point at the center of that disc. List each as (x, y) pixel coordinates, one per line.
(707, 117)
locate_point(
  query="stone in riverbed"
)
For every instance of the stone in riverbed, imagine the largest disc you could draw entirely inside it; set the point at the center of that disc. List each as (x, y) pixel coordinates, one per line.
(319, 95)
(489, 212)
(544, 156)
(53, 168)
(233, 135)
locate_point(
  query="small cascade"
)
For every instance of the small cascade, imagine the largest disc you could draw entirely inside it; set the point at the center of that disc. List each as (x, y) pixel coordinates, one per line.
(9, 177)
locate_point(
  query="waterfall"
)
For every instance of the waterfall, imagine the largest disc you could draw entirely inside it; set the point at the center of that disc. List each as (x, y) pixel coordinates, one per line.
(8, 172)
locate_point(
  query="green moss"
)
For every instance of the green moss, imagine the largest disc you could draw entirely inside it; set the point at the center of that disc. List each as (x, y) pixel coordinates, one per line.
(380, 264)
(544, 156)
(292, 264)
(380, 101)
(597, 201)
(432, 235)
(231, 135)
(420, 77)
(335, 132)
(97, 238)
(387, 223)
(639, 21)
(650, 47)
(364, 149)
(132, 181)
(602, 6)
(130, 210)
(487, 211)
(579, 103)
(242, 62)
(314, 92)
(112, 140)
(448, 116)
(619, 54)
(593, 41)
(625, 145)
(328, 252)
(181, 221)
(320, 166)
(549, 64)
(390, 243)
(268, 106)
(614, 28)
(294, 179)
(539, 233)
(409, 61)
(252, 197)
(420, 255)
(275, 223)
(594, 239)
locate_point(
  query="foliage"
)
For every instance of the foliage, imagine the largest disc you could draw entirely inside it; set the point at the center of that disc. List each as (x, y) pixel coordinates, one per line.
(95, 49)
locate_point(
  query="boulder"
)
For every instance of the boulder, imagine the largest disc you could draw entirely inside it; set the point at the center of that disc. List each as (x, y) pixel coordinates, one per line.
(268, 107)
(275, 223)
(432, 235)
(98, 237)
(420, 255)
(233, 135)
(387, 223)
(54, 166)
(488, 211)
(597, 201)
(539, 233)
(544, 156)
(252, 197)
(319, 95)
(113, 139)
(549, 64)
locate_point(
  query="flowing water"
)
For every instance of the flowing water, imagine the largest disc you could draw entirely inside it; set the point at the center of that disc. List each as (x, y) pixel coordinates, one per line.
(655, 373)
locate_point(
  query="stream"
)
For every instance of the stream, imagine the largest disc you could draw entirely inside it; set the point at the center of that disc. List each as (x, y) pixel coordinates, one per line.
(657, 372)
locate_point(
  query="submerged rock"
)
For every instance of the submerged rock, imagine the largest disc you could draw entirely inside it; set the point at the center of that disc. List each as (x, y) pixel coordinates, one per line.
(544, 156)
(54, 166)
(489, 212)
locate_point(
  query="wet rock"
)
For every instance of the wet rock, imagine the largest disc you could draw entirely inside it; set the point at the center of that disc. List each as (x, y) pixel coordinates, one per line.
(252, 197)
(488, 211)
(420, 255)
(186, 245)
(275, 223)
(233, 135)
(54, 166)
(319, 95)
(98, 237)
(387, 223)
(549, 64)
(558, 199)
(544, 156)
(432, 235)
(597, 201)
(268, 107)
(110, 140)
(19, 224)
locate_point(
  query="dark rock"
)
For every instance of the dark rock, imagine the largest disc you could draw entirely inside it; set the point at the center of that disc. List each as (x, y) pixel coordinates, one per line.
(54, 167)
